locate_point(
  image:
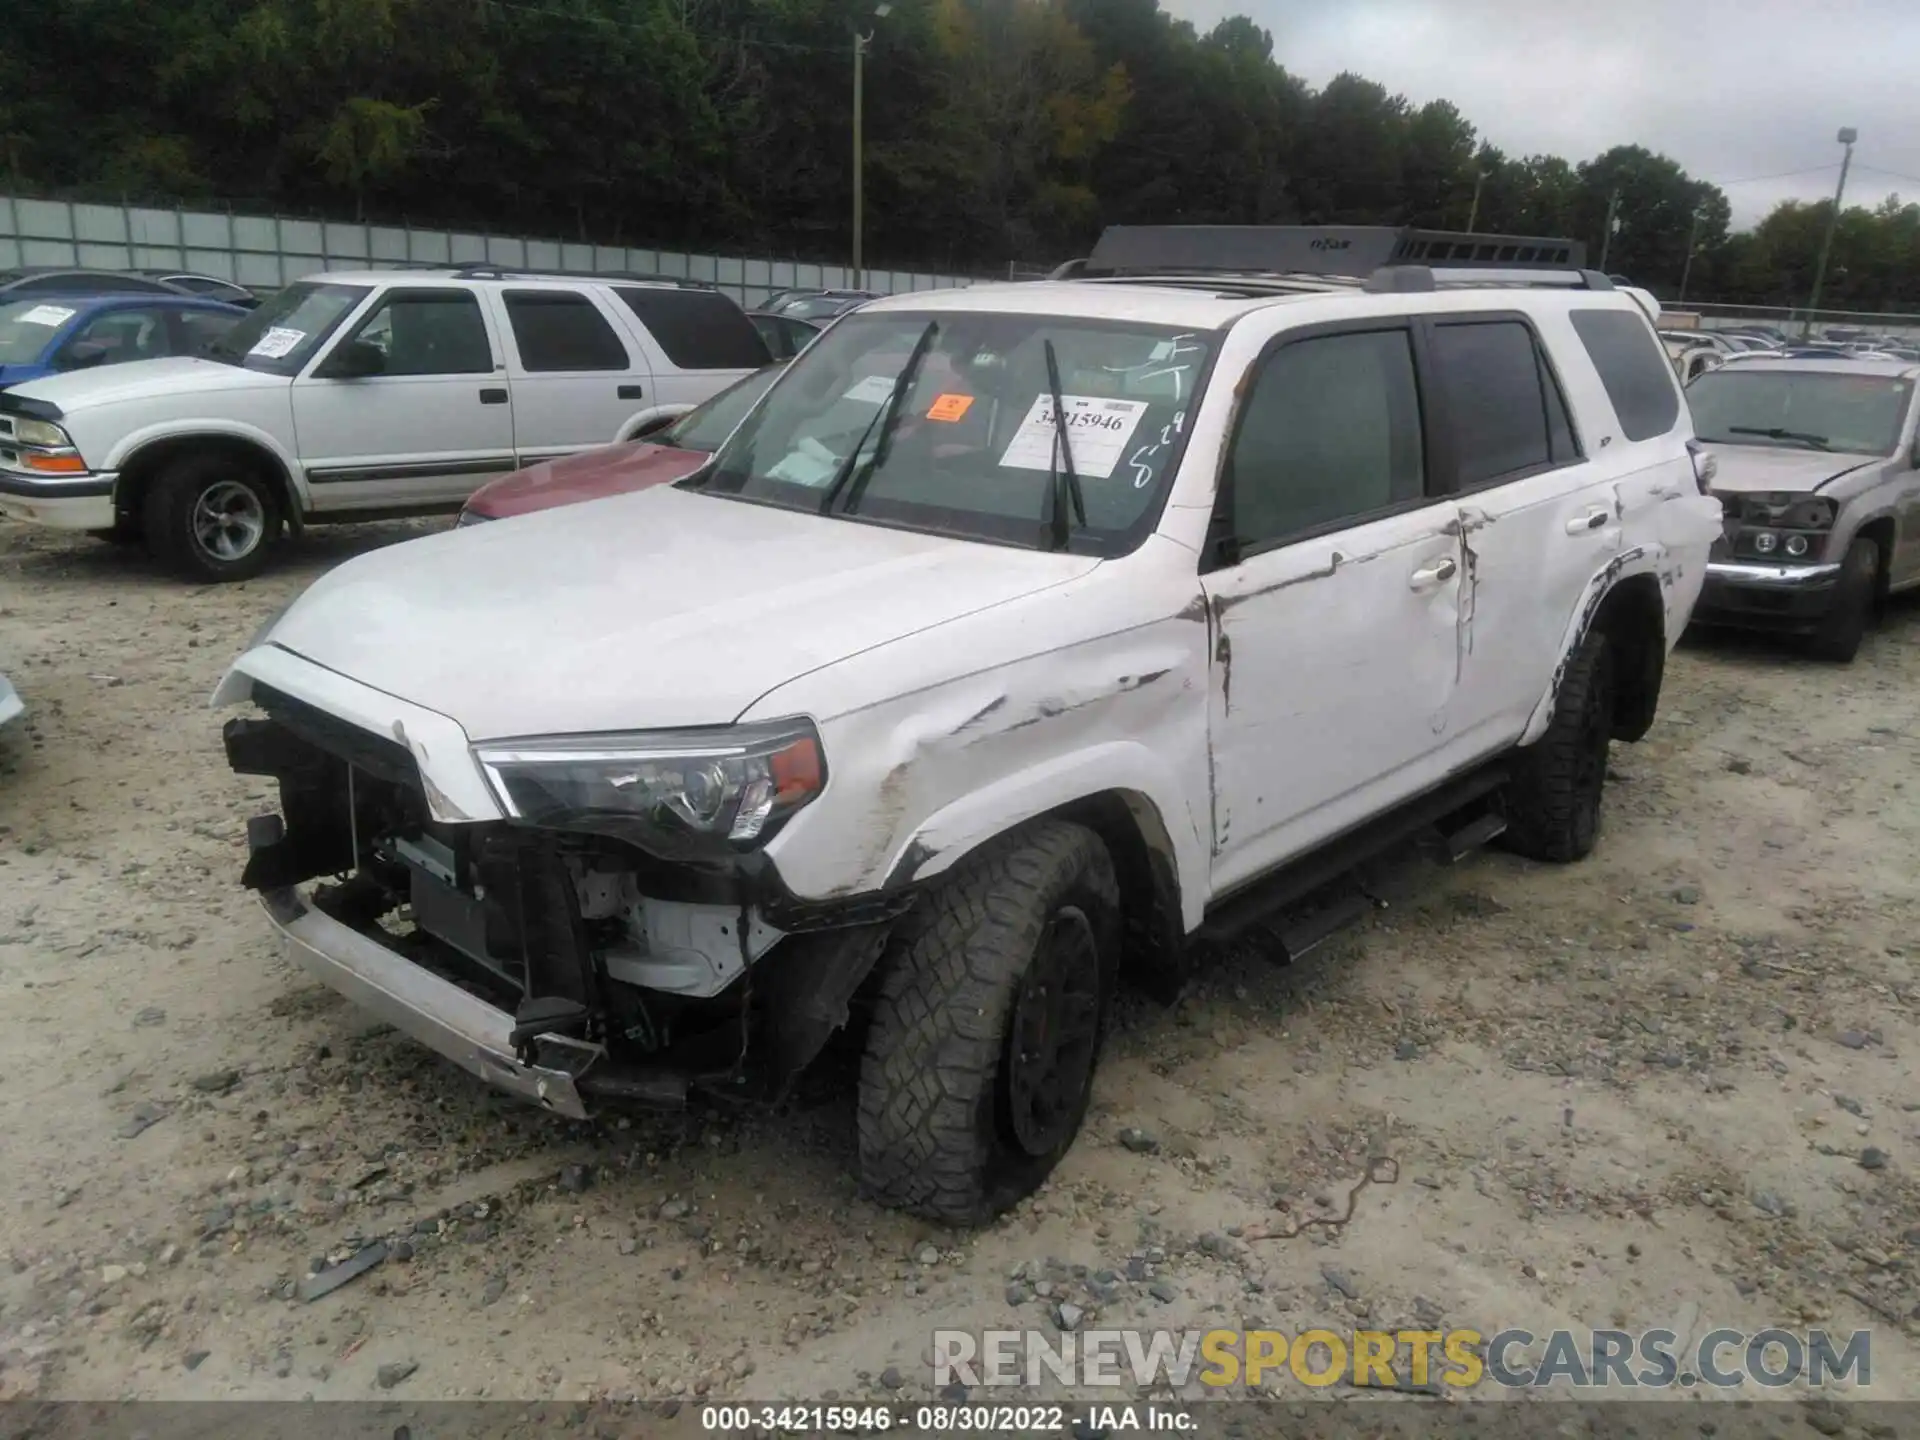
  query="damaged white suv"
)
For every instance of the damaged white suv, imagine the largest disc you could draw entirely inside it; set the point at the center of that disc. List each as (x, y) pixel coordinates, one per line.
(1019, 638)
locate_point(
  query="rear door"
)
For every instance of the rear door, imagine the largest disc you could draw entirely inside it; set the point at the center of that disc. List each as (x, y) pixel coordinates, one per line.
(702, 340)
(1537, 519)
(431, 427)
(577, 381)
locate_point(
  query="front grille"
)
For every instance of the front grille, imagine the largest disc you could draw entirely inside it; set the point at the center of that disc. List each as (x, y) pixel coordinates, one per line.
(363, 749)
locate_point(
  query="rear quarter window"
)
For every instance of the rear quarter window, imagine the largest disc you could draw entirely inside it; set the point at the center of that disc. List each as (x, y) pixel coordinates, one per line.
(698, 329)
(1634, 368)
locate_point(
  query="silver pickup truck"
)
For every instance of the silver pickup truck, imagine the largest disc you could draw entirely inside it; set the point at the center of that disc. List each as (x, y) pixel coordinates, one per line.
(1818, 473)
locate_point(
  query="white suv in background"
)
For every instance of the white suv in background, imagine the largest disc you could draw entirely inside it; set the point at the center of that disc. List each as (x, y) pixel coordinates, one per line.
(351, 396)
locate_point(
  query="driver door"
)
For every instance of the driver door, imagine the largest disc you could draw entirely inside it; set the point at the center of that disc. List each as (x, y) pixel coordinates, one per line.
(1337, 624)
(431, 427)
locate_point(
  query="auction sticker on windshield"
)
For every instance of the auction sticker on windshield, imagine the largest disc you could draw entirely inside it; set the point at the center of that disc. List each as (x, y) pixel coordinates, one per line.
(277, 343)
(872, 390)
(1097, 432)
(950, 408)
(47, 315)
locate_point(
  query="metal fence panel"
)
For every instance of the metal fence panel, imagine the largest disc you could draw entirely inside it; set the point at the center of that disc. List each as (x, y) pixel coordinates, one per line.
(264, 251)
(104, 257)
(387, 244)
(104, 224)
(44, 220)
(159, 229)
(218, 263)
(206, 232)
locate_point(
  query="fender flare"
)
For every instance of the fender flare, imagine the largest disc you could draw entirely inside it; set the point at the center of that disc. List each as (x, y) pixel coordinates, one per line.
(1633, 561)
(648, 416)
(292, 480)
(1124, 768)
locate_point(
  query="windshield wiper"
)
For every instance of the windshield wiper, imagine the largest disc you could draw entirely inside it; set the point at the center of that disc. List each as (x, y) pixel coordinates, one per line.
(1818, 442)
(1060, 462)
(883, 418)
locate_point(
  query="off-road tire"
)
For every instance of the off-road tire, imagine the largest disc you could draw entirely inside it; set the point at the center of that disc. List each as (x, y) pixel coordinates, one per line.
(171, 525)
(1553, 800)
(936, 1133)
(1845, 624)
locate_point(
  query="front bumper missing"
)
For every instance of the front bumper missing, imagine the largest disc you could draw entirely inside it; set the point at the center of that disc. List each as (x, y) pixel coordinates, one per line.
(436, 1012)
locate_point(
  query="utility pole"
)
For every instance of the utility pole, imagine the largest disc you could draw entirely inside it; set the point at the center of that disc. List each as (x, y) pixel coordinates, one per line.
(1686, 270)
(1473, 215)
(1613, 221)
(1846, 137)
(860, 44)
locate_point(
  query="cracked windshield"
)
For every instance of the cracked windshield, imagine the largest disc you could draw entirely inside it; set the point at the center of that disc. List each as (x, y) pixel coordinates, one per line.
(948, 422)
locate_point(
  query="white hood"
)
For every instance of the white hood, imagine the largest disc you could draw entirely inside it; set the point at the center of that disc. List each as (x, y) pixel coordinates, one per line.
(1746, 468)
(145, 380)
(657, 609)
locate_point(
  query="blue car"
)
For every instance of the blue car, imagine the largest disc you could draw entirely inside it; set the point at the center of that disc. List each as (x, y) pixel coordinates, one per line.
(50, 334)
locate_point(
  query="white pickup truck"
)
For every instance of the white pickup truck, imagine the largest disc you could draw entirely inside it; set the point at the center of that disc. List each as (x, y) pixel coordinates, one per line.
(356, 396)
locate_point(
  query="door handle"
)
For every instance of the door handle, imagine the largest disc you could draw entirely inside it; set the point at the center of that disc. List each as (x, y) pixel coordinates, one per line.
(493, 397)
(1590, 521)
(632, 392)
(1438, 573)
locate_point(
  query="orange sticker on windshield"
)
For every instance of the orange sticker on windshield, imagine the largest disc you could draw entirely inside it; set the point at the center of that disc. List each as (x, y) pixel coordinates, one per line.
(950, 408)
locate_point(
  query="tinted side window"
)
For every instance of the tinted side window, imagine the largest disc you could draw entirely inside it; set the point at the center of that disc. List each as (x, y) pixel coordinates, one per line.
(429, 332)
(699, 329)
(559, 330)
(1638, 380)
(1331, 431)
(1495, 398)
(121, 335)
(203, 327)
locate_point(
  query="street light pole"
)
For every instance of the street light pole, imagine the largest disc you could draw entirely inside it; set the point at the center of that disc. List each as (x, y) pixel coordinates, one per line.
(1846, 137)
(860, 44)
(1473, 215)
(1686, 270)
(1606, 240)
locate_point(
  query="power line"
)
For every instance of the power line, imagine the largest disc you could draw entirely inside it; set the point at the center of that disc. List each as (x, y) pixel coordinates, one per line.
(1891, 174)
(1783, 175)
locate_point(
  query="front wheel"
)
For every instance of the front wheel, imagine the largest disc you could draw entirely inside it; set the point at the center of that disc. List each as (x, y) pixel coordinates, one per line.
(209, 517)
(992, 1008)
(1845, 624)
(1553, 800)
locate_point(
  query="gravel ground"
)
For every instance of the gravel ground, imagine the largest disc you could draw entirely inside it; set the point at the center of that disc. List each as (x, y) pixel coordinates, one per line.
(1674, 1085)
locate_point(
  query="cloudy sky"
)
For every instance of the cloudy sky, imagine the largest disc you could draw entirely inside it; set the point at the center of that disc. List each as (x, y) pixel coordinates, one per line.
(1735, 90)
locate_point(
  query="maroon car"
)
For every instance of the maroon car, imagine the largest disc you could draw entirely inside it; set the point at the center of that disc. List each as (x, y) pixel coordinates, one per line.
(664, 456)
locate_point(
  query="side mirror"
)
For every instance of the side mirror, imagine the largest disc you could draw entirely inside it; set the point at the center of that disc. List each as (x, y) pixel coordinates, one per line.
(355, 360)
(83, 355)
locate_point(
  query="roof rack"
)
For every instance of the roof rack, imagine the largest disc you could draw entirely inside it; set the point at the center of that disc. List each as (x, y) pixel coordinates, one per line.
(476, 271)
(1385, 258)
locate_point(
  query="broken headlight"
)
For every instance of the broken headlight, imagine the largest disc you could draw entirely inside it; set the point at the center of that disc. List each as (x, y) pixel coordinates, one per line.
(1774, 526)
(733, 783)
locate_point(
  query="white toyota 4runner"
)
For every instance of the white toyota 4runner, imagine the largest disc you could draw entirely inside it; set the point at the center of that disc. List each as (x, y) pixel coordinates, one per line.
(361, 396)
(1017, 639)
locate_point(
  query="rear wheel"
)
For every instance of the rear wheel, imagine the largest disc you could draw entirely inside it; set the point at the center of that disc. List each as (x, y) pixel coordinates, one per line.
(210, 517)
(1553, 800)
(992, 1009)
(1845, 624)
